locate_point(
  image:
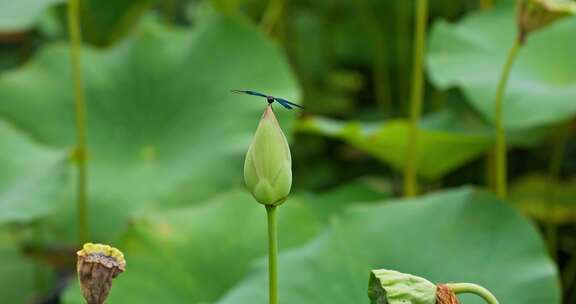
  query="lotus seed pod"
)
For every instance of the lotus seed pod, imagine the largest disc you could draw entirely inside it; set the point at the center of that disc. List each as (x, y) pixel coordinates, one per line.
(393, 287)
(537, 14)
(97, 265)
(268, 164)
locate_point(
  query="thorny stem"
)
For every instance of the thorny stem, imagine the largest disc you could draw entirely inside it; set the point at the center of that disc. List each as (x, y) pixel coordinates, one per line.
(272, 254)
(410, 183)
(500, 147)
(475, 289)
(80, 115)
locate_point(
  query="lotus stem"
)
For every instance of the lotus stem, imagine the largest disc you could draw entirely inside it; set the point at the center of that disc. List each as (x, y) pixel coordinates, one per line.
(80, 115)
(410, 169)
(486, 4)
(475, 289)
(554, 171)
(272, 15)
(380, 79)
(272, 254)
(500, 162)
(402, 23)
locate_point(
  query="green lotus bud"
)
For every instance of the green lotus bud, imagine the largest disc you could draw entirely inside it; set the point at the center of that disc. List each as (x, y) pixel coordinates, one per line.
(393, 287)
(536, 14)
(268, 164)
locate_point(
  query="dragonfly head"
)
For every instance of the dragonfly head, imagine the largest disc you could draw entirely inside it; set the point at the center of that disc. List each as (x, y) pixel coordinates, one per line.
(270, 99)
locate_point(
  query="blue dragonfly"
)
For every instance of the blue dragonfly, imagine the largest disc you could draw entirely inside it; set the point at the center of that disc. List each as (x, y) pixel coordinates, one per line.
(285, 103)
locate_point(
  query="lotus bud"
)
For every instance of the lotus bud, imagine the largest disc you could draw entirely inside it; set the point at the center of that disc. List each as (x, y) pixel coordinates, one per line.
(97, 265)
(536, 14)
(268, 164)
(393, 287)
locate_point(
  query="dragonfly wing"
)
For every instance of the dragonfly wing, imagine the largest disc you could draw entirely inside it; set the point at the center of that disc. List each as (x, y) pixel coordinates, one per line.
(285, 102)
(254, 93)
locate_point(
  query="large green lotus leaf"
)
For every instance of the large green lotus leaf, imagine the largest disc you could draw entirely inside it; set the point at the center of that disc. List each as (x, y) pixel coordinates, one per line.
(163, 126)
(330, 203)
(439, 151)
(460, 235)
(545, 199)
(471, 54)
(105, 21)
(17, 273)
(194, 254)
(454, 119)
(19, 15)
(31, 176)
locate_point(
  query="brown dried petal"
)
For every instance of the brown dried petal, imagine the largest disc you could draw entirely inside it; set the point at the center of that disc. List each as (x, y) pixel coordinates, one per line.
(445, 295)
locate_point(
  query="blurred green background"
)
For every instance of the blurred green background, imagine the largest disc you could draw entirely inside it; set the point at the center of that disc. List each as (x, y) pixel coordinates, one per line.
(166, 141)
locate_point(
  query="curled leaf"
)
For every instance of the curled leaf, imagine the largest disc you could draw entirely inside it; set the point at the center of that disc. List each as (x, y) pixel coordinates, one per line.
(393, 287)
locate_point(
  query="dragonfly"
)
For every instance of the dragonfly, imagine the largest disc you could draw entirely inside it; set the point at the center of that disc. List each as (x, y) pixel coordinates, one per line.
(285, 103)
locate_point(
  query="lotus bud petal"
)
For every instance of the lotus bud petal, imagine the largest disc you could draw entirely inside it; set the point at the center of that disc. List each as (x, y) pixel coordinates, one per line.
(268, 164)
(97, 265)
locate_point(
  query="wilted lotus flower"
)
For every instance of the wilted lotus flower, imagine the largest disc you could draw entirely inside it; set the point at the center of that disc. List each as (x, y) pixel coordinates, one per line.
(97, 265)
(393, 287)
(268, 165)
(536, 14)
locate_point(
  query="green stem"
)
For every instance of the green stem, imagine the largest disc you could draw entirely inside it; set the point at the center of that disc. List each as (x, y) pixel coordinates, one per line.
(450, 9)
(41, 273)
(486, 4)
(381, 81)
(169, 10)
(551, 236)
(272, 15)
(380, 74)
(410, 183)
(228, 7)
(272, 254)
(438, 99)
(569, 273)
(402, 50)
(559, 150)
(500, 147)
(554, 170)
(475, 289)
(80, 114)
(489, 166)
